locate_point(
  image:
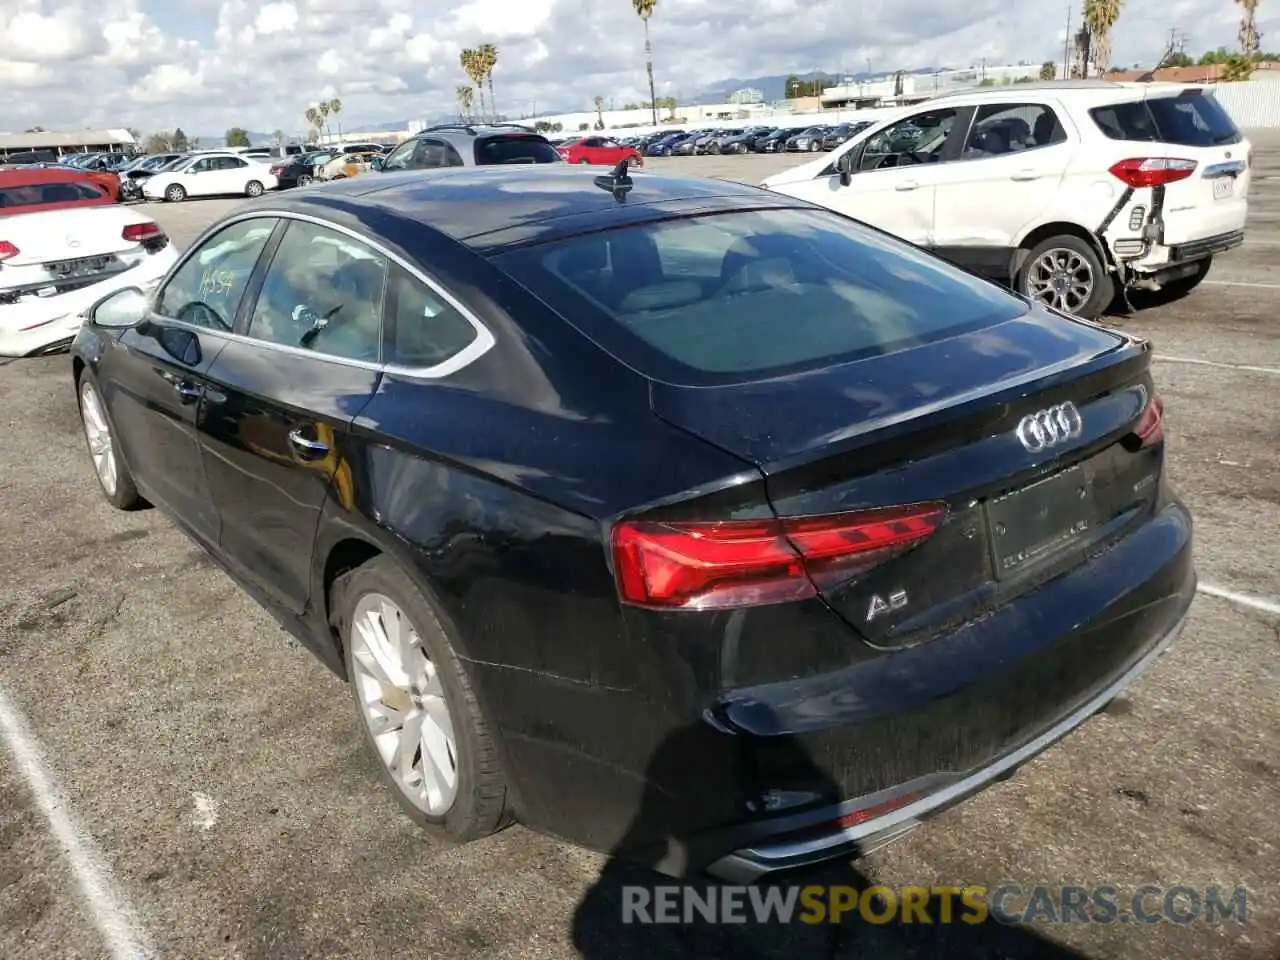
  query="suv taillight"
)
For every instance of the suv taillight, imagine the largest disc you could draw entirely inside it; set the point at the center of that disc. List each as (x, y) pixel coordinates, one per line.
(7, 251)
(739, 563)
(1152, 171)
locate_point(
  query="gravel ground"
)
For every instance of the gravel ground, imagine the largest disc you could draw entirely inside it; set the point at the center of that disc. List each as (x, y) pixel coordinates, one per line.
(218, 773)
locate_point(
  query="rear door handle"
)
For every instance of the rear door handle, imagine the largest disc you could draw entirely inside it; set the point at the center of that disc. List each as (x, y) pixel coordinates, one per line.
(906, 185)
(1026, 175)
(307, 448)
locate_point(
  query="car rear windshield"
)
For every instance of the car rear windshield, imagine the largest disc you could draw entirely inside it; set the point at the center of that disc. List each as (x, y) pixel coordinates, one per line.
(737, 296)
(1190, 119)
(516, 149)
(39, 194)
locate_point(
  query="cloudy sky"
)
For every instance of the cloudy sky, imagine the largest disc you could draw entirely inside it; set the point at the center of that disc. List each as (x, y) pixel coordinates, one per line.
(210, 64)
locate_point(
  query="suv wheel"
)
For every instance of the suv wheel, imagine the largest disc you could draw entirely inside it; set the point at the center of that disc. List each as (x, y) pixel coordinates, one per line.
(1065, 273)
(416, 704)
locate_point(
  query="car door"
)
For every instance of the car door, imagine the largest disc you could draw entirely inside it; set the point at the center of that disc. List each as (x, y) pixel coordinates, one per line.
(894, 176)
(1007, 175)
(232, 174)
(286, 391)
(200, 179)
(155, 379)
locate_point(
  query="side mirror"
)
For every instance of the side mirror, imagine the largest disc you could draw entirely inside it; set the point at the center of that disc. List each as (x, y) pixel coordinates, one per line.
(846, 165)
(377, 163)
(123, 308)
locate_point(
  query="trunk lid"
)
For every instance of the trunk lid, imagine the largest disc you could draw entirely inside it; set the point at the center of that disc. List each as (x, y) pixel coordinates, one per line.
(940, 423)
(68, 233)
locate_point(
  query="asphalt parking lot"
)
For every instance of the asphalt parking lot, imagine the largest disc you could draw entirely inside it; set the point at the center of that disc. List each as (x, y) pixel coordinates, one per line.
(211, 787)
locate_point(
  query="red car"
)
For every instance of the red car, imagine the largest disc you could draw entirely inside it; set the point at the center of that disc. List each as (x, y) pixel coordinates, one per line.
(599, 150)
(27, 190)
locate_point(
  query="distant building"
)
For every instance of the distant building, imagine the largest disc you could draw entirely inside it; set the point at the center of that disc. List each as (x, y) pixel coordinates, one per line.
(60, 143)
(747, 95)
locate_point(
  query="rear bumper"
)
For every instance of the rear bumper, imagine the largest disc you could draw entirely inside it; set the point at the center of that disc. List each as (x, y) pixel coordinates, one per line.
(36, 325)
(655, 764)
(777, 852)
(1199, 249)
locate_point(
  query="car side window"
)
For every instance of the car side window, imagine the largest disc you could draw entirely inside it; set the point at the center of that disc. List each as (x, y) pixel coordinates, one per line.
(206, 290)
(915, 140)
(200, 166)
(431, 154)
(423, 328)
(401, 156)
(324, 292)
(1002, 128)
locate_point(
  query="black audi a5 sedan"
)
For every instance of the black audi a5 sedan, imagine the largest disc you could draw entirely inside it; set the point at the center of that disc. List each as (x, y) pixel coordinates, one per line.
(567, 472)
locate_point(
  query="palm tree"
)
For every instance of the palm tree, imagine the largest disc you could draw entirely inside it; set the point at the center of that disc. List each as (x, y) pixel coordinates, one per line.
(1100, 16)
(488, 55)
(470, 61)
(466, 97)
(323, 109)
(277, 137)
(644, 10)
(599, 103)
(313, 123)
(1250, 38)
(335, 107)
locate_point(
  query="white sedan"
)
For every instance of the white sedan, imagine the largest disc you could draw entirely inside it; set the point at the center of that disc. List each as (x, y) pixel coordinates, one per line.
(211, 175)
(55, 264)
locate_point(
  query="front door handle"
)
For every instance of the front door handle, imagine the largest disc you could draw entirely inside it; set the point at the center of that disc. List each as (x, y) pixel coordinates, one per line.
(187, 392)
(307, 448)
(1026, 175)
(906, 185)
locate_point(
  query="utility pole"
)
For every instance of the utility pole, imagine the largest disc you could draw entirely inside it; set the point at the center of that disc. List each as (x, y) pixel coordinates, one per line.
(1066, 47)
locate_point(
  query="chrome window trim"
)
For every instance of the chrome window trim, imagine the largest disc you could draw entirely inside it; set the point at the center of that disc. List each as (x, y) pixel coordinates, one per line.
(478, 347)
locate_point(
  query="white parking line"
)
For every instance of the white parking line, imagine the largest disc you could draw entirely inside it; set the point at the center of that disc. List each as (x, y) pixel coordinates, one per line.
(1241, 598)
(1241, 283)
(110, 914)
(1216, 363)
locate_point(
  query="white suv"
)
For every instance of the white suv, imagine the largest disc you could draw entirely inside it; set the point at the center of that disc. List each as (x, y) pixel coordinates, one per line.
(1069, 192)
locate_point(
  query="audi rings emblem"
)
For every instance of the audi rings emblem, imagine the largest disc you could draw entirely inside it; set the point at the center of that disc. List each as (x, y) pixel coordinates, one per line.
(1050, 427)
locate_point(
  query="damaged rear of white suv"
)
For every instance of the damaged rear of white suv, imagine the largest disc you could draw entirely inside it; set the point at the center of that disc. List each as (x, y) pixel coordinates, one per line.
(1070, 193)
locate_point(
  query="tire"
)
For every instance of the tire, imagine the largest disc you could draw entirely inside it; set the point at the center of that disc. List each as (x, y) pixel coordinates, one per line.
(305, 180)
(113, 476)
(583, 162)
(175, 193)
(1050, 267)
(815, 147)
(478, 806)
(253, 189)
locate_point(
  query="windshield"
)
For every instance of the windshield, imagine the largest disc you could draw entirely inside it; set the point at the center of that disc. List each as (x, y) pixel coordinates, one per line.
(516, 149)
(747, 294)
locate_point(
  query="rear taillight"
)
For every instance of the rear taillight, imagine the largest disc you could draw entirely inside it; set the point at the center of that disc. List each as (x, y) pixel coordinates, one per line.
(1150, 426)
(1152, 171)
(7, 251)
(737, 563)
(142, 232)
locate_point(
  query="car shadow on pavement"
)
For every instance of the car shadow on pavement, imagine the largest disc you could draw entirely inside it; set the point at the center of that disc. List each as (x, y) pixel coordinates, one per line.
(599, 931)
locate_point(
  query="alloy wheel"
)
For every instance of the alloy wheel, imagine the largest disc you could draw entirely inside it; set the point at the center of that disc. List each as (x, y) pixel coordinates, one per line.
(1062, 279)
(175, 193)
(97, 432)
(403, 703)
(254, 188)
(304, 180)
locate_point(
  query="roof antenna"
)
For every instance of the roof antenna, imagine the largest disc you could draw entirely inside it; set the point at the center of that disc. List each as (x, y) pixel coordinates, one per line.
(618, 182)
